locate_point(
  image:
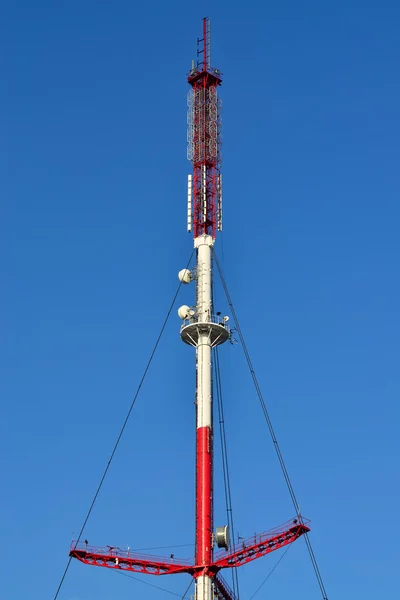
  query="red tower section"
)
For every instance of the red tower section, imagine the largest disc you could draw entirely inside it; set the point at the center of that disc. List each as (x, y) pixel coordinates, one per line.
(204, 140)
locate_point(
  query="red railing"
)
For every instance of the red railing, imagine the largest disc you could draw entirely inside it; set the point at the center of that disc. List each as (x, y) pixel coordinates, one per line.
(259, 538)
(117, 552)
(113, 557)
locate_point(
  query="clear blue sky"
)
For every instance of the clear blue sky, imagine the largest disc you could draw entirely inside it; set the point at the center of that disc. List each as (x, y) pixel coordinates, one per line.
(94, 177)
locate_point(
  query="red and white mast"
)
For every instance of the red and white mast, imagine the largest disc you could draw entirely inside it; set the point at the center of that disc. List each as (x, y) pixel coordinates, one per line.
(201, 328)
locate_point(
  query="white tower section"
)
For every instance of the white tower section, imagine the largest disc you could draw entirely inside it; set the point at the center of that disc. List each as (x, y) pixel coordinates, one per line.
(204, 315)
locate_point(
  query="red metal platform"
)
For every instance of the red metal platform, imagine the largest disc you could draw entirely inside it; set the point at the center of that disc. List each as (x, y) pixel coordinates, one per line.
(254, 547)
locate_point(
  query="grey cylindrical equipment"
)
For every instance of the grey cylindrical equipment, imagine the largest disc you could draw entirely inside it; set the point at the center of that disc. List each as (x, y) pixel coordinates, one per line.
(222, 537)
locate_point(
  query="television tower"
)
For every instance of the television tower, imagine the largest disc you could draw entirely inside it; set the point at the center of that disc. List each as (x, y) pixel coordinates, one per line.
(204, 331)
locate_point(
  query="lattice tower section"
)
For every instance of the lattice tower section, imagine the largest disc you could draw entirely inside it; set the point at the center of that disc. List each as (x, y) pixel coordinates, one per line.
(204, 150)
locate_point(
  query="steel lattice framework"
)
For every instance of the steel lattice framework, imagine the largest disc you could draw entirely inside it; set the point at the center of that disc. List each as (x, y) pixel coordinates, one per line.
(204, 141)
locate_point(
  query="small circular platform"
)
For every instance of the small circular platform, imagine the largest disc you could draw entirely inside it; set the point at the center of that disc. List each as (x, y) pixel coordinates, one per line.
(218, 333)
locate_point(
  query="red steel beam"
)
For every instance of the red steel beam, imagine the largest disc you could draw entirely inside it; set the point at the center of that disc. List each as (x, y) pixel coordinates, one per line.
(250, 549)
(260, 545)
(124, 560)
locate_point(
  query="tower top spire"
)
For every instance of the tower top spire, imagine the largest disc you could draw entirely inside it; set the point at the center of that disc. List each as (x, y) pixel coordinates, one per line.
(205, 50)
(202, 64)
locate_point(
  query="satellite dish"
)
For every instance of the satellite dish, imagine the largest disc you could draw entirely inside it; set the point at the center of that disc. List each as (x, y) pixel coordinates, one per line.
(185, 312)
(185, 276)
(225, 319)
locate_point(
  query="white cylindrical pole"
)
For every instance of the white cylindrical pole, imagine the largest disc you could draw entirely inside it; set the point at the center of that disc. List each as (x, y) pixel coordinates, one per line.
(203, 292)
(203, 588)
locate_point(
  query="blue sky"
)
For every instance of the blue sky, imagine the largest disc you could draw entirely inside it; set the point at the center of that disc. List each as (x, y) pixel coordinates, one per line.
(93, 233)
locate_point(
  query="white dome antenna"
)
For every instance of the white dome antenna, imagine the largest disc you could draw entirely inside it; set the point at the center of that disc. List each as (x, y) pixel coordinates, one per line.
(185, 276)
(185, 312)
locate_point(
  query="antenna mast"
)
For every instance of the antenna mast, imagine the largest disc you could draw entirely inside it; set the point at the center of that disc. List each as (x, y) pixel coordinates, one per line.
(203, 330)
